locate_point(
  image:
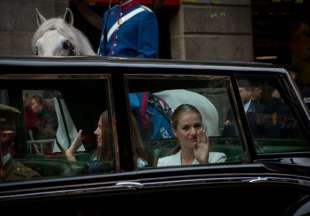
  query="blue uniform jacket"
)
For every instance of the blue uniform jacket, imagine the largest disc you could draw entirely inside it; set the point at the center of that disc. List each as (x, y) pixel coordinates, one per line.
(152, 122)
(137, 37)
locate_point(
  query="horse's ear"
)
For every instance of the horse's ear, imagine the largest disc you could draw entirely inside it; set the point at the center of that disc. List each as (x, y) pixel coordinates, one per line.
(68, 17)
(39, 17)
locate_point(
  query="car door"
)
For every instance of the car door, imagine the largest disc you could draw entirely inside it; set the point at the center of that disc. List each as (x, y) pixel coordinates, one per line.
(241, 180)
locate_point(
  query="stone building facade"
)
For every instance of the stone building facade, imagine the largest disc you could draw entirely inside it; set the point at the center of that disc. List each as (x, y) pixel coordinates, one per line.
(212, 30)
(18, 23)
(199, 30)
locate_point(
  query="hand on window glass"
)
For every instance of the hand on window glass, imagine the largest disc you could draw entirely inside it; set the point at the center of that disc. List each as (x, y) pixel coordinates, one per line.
(201, 148)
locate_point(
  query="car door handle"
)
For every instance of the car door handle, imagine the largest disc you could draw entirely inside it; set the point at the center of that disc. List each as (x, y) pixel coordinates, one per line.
(129, 185)
(258, 179)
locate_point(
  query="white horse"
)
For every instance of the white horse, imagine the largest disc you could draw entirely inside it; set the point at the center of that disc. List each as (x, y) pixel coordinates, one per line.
(58, 37)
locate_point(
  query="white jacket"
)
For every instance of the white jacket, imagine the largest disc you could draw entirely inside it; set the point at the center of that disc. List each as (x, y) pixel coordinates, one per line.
(175, 159)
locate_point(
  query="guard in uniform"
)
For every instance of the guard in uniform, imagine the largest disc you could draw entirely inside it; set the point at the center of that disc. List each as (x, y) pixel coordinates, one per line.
(10, 169)
(129, 30)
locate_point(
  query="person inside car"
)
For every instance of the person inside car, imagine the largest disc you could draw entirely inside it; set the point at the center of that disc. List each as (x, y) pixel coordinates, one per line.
(103, 149)
(283, 122)
(30, 118)
(255, 111)
(10, 168)
(46, 116)
(193, 143)
(103, 139)
(102, 155)
(245, 91)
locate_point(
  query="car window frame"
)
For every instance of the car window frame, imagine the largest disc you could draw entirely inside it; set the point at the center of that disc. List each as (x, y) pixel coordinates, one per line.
(205, 75)
(284, 80)
(76, 76)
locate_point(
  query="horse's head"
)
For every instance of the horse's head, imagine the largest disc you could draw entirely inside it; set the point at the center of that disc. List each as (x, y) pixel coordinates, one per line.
(58, 37)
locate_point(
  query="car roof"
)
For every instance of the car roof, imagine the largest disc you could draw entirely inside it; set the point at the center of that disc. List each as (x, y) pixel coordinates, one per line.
(99, 61)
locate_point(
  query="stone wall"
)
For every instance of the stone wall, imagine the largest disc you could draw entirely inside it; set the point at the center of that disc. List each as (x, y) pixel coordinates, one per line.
(200, 30)
(212, 30)
(17, 23)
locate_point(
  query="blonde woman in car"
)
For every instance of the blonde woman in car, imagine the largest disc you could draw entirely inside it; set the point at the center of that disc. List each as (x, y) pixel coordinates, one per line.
(193, 143)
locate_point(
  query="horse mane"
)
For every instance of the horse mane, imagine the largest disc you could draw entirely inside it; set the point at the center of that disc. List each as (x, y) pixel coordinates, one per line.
(76, 37)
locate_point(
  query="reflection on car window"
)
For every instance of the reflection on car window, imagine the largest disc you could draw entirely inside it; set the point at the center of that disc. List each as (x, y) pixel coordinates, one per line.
(165, 141)
(40, 120)
(51, 130)
(271, 120)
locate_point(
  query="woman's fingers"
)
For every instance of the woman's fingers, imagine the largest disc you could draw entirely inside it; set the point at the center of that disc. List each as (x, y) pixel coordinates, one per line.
(80, 133)
(77, 140)
(70, 157)
(201, 149)
(201, 136)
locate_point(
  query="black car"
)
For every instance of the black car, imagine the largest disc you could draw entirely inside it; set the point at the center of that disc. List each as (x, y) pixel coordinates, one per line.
(252, 113)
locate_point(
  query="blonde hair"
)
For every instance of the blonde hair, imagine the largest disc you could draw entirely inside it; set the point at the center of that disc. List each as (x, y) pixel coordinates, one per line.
(180, 110)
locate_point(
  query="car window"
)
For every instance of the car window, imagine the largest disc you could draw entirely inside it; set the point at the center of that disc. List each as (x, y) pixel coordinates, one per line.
(152, 101)
(56, 126)
(271, 118)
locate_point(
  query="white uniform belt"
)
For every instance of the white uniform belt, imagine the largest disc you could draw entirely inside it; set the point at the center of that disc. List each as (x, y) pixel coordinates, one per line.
(122, 20)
